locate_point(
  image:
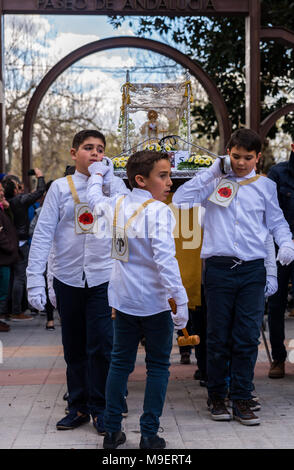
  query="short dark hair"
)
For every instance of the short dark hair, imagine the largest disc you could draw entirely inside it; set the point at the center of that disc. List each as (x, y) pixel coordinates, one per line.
(246, 138)
(81, 136)
(69, 170)
(142, 163)
(9, 187)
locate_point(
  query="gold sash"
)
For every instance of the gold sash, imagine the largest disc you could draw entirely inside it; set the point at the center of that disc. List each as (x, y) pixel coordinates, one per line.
(227, 189)
(84, 218)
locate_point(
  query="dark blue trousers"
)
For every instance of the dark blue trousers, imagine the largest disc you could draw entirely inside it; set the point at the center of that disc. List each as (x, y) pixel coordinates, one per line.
(235, 308)
(277, 304)
(128, 330)
(87, 336)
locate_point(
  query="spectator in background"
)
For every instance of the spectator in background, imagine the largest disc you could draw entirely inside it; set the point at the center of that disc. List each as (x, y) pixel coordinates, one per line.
(19, 204)
(8, 255)
(283, 175)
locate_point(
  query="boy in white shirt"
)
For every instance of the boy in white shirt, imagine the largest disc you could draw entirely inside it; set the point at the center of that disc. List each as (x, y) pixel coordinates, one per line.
(81, 268)
(145, 276)
(241, 209)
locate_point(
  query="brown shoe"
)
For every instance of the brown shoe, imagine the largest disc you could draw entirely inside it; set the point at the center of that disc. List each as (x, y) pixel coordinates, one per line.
(277, 370)
(4, 327)
(21, 317)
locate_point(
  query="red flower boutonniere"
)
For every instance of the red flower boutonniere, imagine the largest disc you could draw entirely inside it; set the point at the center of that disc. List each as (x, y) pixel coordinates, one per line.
(225, 192)
(86, 218)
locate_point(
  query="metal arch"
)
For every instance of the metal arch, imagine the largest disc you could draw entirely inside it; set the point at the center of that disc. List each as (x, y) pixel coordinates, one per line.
(286, 37)
(281, 35)
(272, 118)
(113, 43)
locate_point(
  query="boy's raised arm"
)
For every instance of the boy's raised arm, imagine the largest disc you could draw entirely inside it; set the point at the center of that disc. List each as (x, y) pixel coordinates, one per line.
(200, 187)
(102, 174)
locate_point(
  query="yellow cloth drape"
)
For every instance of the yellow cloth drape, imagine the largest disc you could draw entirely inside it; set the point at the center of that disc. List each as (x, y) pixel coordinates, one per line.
(188, 239)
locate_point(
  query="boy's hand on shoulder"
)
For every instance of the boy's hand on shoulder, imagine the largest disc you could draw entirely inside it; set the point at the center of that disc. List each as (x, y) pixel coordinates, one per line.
(181, 317)
(286, 253)
(98, 168)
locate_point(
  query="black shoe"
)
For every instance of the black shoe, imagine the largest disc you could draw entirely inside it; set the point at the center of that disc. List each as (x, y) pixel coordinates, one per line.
(203, 382)
(113, 439)
(72, 420)
(185, 358)
(254, 404)
(243, 413)
(98, 423)
(152, 442)
(197, 374)
(218, 409)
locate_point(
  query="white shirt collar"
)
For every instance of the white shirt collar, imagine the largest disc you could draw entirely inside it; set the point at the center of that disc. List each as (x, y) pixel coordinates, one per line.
(241, 178)
(142, 193)
(81, 175)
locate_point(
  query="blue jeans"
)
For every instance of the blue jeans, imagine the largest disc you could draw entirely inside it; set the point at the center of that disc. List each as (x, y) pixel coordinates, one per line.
(277, 304)
(235, 308)
(87, 335)
(128, 329)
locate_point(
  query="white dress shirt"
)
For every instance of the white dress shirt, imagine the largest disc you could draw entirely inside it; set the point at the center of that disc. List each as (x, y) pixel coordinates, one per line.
(143, 285)
(241, 229)
(77, 258)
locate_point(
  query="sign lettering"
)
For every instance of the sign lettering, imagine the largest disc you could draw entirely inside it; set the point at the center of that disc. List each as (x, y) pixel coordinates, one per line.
(123, 5)
(153, 7)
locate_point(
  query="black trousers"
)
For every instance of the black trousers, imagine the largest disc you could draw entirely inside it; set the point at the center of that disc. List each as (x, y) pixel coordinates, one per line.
(87, 337)
(277, 304)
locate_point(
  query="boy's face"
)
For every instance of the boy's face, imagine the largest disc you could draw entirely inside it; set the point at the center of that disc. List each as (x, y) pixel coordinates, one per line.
(158, 183)
(90, 151)
(243, 161)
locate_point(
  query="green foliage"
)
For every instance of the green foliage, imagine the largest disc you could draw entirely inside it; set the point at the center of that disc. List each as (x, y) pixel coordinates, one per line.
(218, 45)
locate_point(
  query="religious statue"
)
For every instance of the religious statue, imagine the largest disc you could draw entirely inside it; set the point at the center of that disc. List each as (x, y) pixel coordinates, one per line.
(151, 129)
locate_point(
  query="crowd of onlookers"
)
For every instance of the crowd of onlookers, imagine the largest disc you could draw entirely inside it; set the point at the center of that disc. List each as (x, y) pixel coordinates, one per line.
(18, 213)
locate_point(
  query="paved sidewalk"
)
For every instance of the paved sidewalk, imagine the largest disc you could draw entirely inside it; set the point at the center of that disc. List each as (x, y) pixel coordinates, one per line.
(32, 384)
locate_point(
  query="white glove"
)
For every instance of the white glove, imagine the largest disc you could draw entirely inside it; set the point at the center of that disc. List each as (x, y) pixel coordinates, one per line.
(37, 297)
(109, 175)
(98, 167)
(271, 286)
(181, 318)
(52, 296)
(225, 164)
(286, 253)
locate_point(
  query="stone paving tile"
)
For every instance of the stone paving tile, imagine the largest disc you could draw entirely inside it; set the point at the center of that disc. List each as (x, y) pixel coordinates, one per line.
(29, 410)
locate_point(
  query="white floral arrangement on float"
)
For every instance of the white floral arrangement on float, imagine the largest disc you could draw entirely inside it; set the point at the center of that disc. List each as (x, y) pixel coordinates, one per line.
(195, 161)
(120, 163)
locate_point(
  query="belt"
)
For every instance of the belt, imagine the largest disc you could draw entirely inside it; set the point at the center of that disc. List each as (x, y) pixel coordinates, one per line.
(231, 260)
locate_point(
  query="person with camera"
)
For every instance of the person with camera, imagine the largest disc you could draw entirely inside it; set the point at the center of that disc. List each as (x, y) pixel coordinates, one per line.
(19, 203)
